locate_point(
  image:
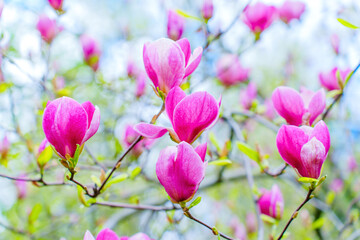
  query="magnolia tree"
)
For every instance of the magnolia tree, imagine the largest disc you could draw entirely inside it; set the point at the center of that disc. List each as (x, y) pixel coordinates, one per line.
(144, 120)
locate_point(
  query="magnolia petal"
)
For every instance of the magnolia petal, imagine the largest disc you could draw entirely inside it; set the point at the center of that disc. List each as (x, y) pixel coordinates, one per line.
(194, 61)
(313, 155)
(107, 234)
(173, 98)
(88, 236)
(185, 47)
(194, 114)
(289, 104)
(93, 113)
(289, 141)
(150, 131)
(317, 105)
(148, 66)
(321, 132)
(201, 150)
(140, 236)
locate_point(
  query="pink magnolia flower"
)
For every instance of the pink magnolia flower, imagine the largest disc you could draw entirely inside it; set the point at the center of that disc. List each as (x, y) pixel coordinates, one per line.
(335, 42)
(181, 169)
(238, 229)
(168, 63)
(4, 147)
(189, 116)
(91, 50)
(291, 10)
(1, 7)
(140, 84)
(259, 17)
(21, 187)
(131, 69)
(56, 4)
(67, 123)
(207, 9)
(175, 25)
(304, 148)
(352, 164)
(298, 108)
(329, 79)
(248, 95)
(251, 224)
(58, 83)
(105, 234)
(271, 202)
(47, 28)
(230, 71)
(129, 137)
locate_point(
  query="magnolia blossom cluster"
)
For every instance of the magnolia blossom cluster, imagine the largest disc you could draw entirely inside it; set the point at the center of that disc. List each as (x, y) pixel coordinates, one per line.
(260, 16)
(179, 169)
(303, 147)
(303, 142)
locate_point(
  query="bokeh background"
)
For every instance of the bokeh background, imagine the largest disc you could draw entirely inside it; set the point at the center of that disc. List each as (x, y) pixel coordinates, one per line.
(291, 55)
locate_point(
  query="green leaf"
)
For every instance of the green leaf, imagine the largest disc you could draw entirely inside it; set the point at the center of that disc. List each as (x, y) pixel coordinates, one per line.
(81, 196)
(348, 78)
(118, 178)
(321, 180)
(45, 156)
(96, 180)
(35, 212)
(195, 202)
(114, 180)
(248, 151)
(347, 24)
(4, 86)
(185, 15)
(318, 223)
(136, 171)
(268, 219)
(333, 93)
(221, 162)
(307, 180)
(330, 197)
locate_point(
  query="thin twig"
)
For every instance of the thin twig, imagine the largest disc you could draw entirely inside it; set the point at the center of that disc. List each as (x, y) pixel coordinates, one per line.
(118, 163)
(213, 229)
(259, 119)
(137, 206)
(338, 97)
(36, 180)
(295, 213)
(14, 230)
(277, 172)
(94, 159)
(219, 34)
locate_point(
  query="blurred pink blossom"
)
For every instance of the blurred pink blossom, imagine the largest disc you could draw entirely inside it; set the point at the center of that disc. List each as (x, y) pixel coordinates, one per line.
(175, 25)
(291, 10)
(329, 79)
(230, 71)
